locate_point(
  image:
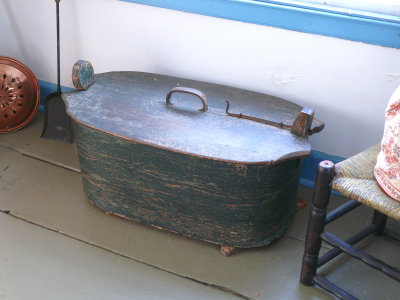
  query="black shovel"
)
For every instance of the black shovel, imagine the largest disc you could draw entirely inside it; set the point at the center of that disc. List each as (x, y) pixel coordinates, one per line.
(57, 124)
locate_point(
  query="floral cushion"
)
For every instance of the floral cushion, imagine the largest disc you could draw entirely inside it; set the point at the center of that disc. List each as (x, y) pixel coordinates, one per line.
(387, 168)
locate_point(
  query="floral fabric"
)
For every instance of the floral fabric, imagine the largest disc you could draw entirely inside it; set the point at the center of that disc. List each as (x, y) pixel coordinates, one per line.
(387, 169)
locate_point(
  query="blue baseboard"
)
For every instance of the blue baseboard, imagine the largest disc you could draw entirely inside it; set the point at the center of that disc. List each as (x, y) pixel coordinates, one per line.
(310, 164)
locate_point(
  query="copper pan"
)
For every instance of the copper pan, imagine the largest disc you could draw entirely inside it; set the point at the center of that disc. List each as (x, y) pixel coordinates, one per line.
(19, 95)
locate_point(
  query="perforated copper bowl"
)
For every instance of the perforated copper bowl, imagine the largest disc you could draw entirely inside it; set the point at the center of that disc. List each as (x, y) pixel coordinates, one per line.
(19, 95)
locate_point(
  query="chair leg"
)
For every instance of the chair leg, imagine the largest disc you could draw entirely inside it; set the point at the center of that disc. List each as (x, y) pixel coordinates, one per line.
(379, 220)
(316, 222)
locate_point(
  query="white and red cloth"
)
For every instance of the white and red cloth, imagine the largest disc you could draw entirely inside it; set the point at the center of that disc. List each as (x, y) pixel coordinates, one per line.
(387, 169)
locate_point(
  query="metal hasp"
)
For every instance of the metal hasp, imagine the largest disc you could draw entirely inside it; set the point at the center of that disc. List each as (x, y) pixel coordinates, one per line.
(262, 121)
(228, 181)
(301, 125)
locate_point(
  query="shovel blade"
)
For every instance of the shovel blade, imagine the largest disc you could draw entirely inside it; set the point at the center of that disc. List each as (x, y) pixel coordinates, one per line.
(57, 124)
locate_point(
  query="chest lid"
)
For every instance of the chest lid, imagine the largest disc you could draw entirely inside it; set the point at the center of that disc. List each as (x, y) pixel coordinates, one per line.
(163, 111)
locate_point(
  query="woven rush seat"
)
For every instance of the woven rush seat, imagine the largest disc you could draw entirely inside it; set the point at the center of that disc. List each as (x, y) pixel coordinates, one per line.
(355, 179)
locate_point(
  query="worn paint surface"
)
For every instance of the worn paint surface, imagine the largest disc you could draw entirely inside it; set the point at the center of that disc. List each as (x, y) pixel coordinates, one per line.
(133, 105)
(235, 204)
(203, 174)
(82, 75)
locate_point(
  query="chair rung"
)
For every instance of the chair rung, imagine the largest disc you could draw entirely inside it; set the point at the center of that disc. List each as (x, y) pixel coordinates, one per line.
(341, 210)
(392, 234)
(357, 253)
(331, 254)
(331, 287)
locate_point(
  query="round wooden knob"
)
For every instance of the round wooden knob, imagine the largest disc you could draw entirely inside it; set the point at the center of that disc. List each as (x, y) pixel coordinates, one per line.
(82, 75)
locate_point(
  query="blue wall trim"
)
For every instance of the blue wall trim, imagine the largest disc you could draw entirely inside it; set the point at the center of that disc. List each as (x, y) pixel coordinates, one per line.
(347, 24)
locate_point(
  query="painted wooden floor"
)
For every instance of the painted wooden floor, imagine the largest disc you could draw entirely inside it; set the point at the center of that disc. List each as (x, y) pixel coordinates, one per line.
(55, 245)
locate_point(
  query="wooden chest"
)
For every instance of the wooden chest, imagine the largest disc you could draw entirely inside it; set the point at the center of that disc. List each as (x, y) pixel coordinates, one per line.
(149, 154)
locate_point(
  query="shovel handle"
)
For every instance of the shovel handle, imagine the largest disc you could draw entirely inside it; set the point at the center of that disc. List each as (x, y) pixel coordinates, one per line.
(58, 46)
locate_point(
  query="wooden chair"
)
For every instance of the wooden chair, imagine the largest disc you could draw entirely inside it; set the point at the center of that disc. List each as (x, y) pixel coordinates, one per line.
(354, 178)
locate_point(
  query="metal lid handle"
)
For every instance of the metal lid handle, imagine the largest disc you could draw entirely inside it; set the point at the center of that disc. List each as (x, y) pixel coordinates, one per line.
(191, 91)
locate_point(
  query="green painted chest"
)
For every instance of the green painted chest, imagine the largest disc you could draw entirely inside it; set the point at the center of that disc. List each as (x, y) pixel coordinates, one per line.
(167, 152)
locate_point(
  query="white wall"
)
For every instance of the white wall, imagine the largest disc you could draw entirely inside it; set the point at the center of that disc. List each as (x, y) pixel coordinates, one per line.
(347, 83)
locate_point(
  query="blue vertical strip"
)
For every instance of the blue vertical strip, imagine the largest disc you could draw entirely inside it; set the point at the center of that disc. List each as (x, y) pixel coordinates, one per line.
(347, 24)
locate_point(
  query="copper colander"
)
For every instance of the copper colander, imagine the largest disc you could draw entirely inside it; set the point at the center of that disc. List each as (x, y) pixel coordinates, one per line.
(19, 95)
